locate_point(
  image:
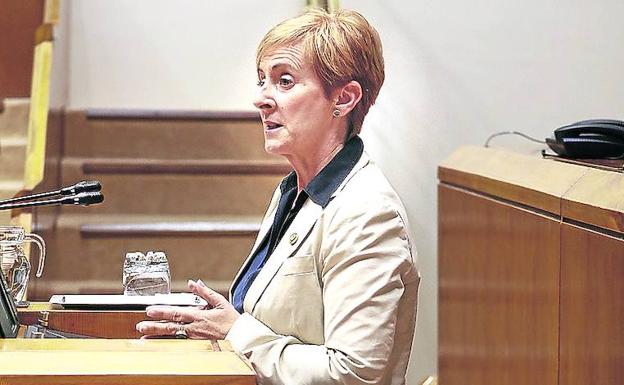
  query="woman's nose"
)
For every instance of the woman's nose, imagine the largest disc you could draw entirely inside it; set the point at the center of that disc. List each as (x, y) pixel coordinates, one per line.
(263, 100)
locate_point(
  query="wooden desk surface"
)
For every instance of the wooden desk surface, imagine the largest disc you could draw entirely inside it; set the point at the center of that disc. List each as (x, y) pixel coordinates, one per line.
(93, 361)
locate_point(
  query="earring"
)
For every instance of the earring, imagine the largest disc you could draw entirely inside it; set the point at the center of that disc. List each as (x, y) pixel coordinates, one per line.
(336, 113)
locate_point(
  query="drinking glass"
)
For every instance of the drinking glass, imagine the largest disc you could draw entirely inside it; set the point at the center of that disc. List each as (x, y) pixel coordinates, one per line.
(146, 274)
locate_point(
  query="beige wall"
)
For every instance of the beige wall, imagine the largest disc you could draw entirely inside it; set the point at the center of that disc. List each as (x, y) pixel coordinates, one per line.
(460, 70)
(456, 72)
(59, 78)
(167, 54)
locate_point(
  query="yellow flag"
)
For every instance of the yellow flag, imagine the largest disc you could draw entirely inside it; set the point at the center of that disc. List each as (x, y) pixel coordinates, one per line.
(38, 119)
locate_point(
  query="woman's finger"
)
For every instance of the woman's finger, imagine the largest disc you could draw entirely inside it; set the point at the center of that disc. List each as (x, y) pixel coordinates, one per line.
(172, 313)
(154, 328)
(213, 298)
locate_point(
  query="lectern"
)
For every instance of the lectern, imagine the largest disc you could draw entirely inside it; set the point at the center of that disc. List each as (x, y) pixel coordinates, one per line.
(116, 357)
(100, 361)
(531, 268)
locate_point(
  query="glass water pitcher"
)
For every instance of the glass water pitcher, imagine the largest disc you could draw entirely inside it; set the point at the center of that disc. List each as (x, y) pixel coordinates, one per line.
(15, 265)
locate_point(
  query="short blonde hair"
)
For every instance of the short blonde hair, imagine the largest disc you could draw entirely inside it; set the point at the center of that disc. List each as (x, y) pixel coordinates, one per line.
(342, 46)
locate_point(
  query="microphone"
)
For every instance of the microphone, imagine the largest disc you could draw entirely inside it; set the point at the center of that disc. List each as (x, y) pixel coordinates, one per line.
(82, 186)
(83, 199)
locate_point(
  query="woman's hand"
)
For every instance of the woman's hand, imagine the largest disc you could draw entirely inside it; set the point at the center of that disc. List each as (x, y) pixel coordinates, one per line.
(214, 322)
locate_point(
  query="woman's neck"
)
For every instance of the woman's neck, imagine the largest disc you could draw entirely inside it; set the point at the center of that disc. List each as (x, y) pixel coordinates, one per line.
(309, 166)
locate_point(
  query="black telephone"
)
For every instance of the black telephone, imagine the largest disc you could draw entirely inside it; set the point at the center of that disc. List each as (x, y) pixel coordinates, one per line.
(589, 139)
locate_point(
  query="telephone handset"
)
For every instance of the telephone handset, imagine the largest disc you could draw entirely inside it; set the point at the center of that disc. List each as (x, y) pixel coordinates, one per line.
(589, 139)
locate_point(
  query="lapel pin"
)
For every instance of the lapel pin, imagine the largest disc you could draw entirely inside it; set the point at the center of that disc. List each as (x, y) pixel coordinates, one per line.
(293, 238)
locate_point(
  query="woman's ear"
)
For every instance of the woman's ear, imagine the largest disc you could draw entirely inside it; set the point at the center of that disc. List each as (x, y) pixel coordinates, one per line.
(348, 97)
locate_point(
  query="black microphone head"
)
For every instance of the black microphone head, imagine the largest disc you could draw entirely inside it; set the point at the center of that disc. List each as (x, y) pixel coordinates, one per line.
(84, 199)
(82, 186)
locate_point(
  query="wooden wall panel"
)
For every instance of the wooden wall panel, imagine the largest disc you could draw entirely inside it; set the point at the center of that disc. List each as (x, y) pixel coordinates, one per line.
(191, 183)
(18, 21)
(498, 292)
(592, 308)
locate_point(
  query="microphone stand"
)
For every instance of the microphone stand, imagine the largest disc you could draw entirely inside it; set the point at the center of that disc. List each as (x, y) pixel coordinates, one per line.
(82, 186)
(84, 199)
(82, 193)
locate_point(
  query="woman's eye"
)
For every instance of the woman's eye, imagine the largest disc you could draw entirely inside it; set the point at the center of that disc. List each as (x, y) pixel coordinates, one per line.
(286, 81)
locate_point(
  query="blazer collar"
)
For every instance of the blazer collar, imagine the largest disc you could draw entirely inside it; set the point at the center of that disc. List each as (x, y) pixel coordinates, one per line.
(364, 160)
(323, 186)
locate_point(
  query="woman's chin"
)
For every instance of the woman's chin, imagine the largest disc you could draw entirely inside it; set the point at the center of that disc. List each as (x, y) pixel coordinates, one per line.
(273, 147)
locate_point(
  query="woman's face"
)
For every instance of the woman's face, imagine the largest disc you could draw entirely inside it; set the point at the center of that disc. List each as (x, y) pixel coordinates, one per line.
(296, 114)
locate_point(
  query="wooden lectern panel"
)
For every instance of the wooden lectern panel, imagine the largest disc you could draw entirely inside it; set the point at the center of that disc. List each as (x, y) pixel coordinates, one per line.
(592, 308)
(498, 292)
(119, 362)
(93, 323)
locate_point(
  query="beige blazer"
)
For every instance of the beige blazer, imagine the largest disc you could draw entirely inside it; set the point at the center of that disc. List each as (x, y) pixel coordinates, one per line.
(336, 301)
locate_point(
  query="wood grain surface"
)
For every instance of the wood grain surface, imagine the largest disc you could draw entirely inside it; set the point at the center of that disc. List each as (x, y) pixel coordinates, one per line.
(498, 292)
(520, 178)
(592, 308)
(597, 199)
(78, 362)
(18, 22)
(531, 256)
(93, 323)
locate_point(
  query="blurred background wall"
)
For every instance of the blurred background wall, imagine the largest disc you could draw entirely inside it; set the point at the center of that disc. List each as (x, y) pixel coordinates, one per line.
(456, 72)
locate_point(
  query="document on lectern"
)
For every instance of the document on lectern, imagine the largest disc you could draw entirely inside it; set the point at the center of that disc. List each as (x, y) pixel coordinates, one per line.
(120, 301)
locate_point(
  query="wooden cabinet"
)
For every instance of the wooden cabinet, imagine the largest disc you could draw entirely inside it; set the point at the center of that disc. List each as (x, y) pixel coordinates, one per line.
(530, 255)
(491, 326)
(592, 307)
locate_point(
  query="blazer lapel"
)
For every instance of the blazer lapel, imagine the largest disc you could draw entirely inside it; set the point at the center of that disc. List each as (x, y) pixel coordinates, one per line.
(302, 224)
(296, 233)
(265, 226)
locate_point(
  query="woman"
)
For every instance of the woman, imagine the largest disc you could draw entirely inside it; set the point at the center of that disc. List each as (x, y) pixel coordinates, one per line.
(328, 293)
